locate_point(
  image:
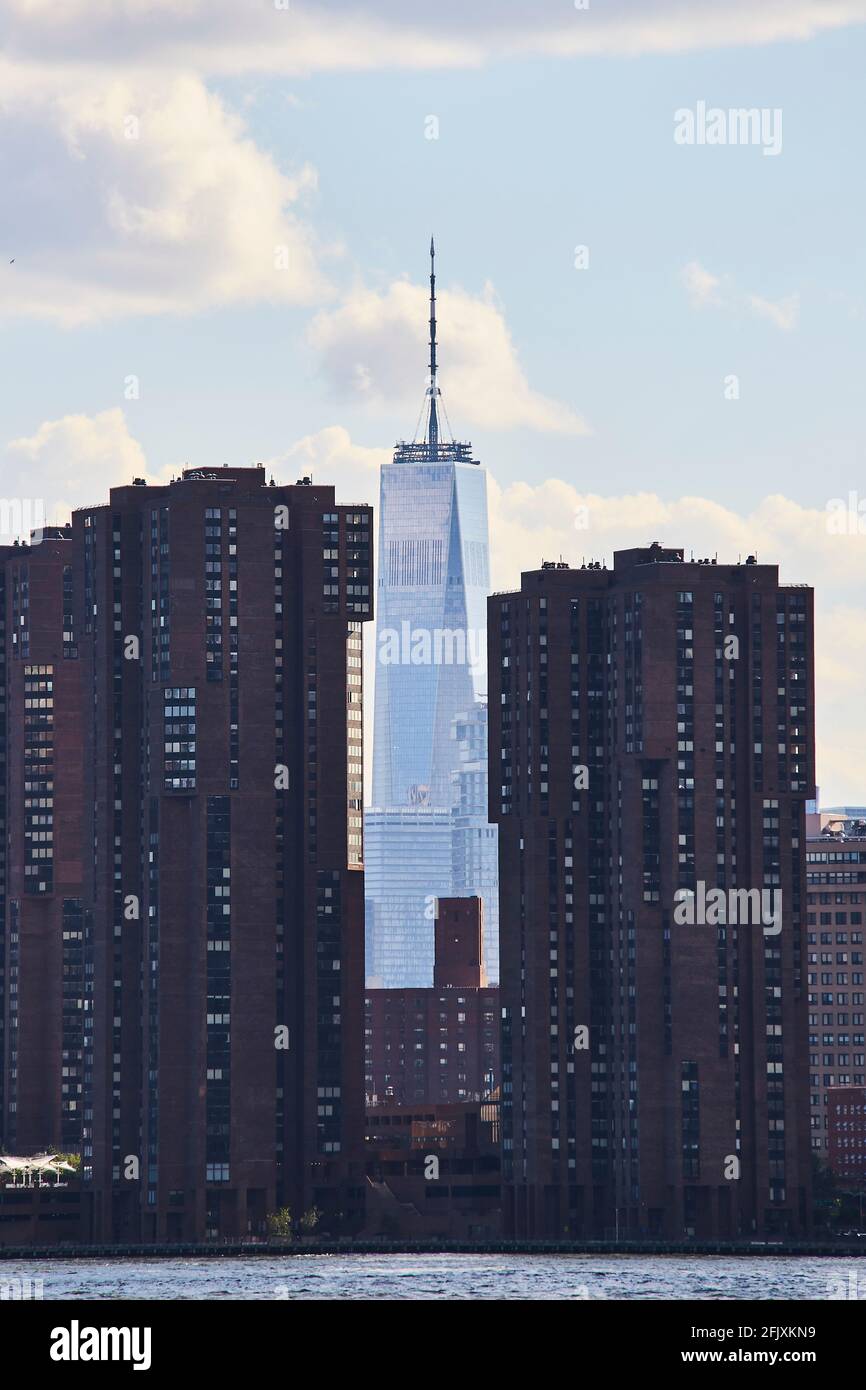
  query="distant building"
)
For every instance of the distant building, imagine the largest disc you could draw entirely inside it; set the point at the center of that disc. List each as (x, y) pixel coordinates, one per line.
(408, 854)
(474, 853)
(431, 680)
(438, 1045)
(651, 752)
(846, 1133)
(836, 901)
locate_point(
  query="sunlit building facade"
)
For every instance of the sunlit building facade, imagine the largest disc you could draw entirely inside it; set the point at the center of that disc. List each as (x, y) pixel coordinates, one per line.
(431, 673)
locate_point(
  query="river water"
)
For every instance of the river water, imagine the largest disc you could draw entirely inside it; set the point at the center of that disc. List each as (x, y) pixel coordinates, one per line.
(579, 1277)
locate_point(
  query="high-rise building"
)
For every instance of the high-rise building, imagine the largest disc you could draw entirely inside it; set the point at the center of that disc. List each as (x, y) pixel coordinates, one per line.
(42, 1004)
(430, 672)
(474, 855)
(201, 652)
(651, 753)
(836, 884)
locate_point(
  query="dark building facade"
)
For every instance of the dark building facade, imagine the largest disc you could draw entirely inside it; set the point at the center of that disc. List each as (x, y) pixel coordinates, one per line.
(836, 885)
(440, 1045)
(846, 1134)
(218, 867)
(42, 1016)
(433, 1171)
(651, 752)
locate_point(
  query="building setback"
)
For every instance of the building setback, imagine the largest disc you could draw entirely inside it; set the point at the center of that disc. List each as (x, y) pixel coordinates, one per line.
(217, 622)
(437, 1046)
(651, 739)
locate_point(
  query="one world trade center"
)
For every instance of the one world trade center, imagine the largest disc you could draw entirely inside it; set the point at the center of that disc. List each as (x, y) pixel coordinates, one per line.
(426, 832)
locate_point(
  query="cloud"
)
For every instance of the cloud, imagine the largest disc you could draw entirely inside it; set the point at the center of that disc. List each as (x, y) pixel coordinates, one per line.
(708, 291)
(702, 287)
(531, 522)
(784, 313)
(373, 349)
(76, 460)
(73, 461)
(298, 36)
(144, 196)
(330, 457)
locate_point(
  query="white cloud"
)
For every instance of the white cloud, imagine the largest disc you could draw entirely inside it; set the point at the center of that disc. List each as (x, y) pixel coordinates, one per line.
(144, 196)
(373, 349)
(330, 457)
(223, 36)
(529, 523)
(72, 462)
(701, 287)
(784, 313)
(75, 460)
(708, 291)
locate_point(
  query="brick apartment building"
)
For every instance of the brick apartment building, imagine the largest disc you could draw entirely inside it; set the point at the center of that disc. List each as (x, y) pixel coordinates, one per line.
(211, 628)
(42, 1000)
(458, 1197)
(651, 740)
(440, 1045)
(836, 894)
(846, 1136)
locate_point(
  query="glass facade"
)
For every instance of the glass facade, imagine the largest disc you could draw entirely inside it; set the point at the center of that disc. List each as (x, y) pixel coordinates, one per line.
(407, 866)
(474, 845)
(427, 834)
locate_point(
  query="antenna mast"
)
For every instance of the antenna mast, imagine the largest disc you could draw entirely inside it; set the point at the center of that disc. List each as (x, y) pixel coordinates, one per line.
(432, 388)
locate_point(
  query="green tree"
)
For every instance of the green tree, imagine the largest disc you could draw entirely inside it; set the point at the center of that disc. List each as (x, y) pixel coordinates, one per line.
(74, 1160)
(310, 1220)
(280, 1223)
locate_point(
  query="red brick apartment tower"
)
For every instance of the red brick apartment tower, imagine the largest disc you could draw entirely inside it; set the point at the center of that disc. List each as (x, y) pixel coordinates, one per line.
(437, 1046)
(836, 895)
(221, 654)
(459, 944)
(651, 734)
(43, 807)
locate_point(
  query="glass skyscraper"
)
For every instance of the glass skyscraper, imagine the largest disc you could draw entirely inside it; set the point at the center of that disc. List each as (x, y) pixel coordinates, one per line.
(431, 690)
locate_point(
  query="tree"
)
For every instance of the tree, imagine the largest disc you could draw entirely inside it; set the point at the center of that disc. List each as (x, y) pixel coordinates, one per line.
(280, 1223)
(310, 1220)
(74, 1160)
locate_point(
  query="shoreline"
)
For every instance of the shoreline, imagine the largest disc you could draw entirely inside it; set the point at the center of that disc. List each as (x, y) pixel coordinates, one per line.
(239, 1250)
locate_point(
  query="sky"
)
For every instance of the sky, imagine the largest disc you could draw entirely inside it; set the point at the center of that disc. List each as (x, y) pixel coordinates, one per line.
(213, 249)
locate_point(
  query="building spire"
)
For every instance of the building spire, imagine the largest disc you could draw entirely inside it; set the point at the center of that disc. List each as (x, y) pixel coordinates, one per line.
(432, 387)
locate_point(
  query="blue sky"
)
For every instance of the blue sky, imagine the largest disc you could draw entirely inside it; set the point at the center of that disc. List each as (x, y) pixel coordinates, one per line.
(151, 258)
